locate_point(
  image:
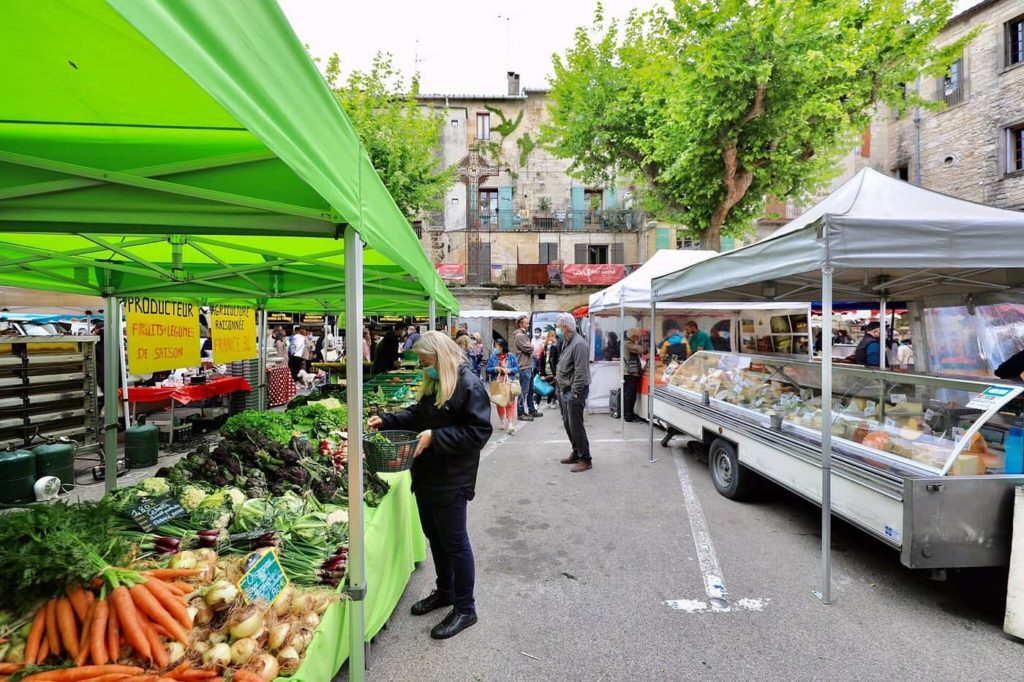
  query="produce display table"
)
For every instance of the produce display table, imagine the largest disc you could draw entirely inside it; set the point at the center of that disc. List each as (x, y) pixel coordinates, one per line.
(394, 545)
(280, 387)
(186, 393)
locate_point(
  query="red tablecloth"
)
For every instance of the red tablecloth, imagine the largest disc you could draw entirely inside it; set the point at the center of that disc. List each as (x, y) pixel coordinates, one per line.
(183, 395)
(280, 385)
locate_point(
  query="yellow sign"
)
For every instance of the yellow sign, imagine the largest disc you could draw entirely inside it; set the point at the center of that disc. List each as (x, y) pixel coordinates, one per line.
(162, 335)
(233, 329)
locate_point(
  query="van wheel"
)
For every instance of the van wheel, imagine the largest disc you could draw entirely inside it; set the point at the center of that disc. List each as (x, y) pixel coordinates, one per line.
(731, 479)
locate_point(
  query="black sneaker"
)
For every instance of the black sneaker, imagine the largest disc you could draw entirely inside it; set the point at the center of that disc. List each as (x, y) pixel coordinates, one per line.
(535, 413)
(525, 418)
(431, 603)
(453, 624)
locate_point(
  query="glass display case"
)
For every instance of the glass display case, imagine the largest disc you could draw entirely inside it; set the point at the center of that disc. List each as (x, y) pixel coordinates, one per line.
(902, 422)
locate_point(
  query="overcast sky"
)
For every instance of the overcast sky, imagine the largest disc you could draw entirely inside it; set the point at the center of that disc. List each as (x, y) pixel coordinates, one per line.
(459, 46)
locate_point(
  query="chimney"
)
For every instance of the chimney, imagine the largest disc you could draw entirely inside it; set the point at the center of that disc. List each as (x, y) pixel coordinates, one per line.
(513, 84)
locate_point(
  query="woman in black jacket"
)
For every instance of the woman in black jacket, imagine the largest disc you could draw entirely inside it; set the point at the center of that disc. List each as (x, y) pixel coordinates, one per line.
(453, 418)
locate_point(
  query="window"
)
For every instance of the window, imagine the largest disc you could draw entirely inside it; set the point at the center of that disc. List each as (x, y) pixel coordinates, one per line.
(483, 126)
(548, 253)
(953, 83)
(488, 206)
(1015, 41)
(902, 172)
(685, 242)
(597, 254)
(1015, 148)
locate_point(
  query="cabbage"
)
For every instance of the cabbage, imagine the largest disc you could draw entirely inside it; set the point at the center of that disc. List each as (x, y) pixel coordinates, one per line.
(253, 514)
(191, 497)
(155, 486)
(236, 496)
(289, 505)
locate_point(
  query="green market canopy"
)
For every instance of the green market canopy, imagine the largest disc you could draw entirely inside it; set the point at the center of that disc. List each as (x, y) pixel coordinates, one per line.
(186, 149)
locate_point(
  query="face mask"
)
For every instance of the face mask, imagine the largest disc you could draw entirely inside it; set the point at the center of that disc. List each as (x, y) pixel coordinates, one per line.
(431, 373)
(536, 335)
(559, 333)
(675, 338)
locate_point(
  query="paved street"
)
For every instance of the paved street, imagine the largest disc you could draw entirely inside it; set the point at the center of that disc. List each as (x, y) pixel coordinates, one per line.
(574, 571)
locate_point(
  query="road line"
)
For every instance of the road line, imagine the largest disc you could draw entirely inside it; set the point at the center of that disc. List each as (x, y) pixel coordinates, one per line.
(563, 441)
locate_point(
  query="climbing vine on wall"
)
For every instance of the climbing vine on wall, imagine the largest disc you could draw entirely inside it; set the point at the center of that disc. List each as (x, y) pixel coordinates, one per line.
(526, 145)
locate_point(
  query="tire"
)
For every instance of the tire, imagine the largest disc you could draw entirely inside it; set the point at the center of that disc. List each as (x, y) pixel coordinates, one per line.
(730, 478)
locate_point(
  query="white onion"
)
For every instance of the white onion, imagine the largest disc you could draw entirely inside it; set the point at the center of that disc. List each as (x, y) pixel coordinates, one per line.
(221, 595)
(200, 647)
(218, 637)
(301, 639)
(323, 604)
(184, 559)
(175, 651)
(242, 650)
(267, 667)
(288, 659)
(247, 622)
(303, 603)
(311, 620)
(219, 656)
(278, 634)
(283, 604)
(205, 555)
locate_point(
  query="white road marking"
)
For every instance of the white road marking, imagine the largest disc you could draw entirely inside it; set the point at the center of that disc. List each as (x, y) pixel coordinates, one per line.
(563, 441)
(714, 585)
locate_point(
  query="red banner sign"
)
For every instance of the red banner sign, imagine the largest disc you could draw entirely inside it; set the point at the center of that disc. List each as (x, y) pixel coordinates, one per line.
(603, 274)
(454, 272)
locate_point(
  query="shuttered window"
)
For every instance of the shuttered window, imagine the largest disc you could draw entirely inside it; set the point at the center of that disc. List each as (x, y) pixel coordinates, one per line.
(581, 253)
(618, 254)
(548, 253)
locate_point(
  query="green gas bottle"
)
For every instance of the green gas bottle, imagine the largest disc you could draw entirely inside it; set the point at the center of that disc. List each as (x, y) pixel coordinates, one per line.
(56, 459)
(141, 446)
(17, 476)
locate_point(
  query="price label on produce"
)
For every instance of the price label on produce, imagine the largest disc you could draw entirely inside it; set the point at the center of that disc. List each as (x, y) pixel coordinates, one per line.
(898, 398)
(152, 512)
(264, 578)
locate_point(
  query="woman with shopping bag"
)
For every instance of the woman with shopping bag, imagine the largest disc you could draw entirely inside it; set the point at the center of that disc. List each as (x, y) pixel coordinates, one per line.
(503, 373)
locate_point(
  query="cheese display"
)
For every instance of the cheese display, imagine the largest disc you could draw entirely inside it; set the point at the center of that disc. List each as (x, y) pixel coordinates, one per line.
(899, 417)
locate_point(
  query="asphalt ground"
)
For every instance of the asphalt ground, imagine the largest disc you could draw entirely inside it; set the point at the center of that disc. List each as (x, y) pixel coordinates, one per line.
(574, 572)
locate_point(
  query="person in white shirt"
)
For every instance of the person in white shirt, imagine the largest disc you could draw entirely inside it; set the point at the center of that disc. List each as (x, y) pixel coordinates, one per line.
(905, 354)
(297, 352)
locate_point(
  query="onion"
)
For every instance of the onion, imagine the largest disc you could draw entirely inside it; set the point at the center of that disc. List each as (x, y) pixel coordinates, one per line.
(323, 605)
(267, 667)
(175, 651)
(206, 555)
(16, 654)
(200, 647)
(243, 650)
(301, 639)
(247, 622)
(288, 659)
(218, 637)
(203, 613)
(303, 603)
(219, 656)
(184, 559)
(221, 595)
(283, 604)
(311, 621)
(278, 634)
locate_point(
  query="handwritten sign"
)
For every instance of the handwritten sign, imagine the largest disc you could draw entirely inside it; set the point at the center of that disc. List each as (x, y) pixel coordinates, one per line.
(264, 579)
(161, 334)
(233, 330)
(152, 512)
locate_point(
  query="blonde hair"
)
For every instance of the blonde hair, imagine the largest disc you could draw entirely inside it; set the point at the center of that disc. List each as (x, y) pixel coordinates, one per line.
(448, 356)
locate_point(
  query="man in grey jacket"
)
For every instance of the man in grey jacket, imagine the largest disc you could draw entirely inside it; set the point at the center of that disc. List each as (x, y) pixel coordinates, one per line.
(573, 379)
(523, 349)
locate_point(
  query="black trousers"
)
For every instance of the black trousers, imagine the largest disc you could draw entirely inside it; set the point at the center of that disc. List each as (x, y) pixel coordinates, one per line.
(572, 419)
(443, 517)
(295, 363)
(629, 389)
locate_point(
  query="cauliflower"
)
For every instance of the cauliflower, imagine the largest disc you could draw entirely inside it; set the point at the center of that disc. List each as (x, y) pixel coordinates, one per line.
(191, 497)
(337, 516)
(155, 486)
(236, 496)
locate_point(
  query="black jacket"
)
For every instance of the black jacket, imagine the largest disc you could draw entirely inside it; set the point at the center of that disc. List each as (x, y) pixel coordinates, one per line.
(460, 430)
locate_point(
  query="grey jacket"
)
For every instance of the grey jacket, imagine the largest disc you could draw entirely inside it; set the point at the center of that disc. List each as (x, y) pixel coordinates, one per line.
(523, 349)
(573, 373)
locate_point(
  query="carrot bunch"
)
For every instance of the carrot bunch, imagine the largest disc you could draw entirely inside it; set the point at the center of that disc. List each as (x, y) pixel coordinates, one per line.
(127, 673)
(139, 610)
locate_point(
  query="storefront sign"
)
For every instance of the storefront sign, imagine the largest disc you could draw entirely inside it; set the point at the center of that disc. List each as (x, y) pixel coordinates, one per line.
(264, 579)
(317, 320)
(603, 274)
(162, 335)
(280, 318)
(452, 272)
(233, 329)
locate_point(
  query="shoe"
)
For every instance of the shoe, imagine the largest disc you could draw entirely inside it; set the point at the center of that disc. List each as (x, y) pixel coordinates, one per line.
(431, 603)
(525, 418)
(453, 624)
(571, 459)
(504, 425)
(582, 465)
(535, 413)
(631, 420)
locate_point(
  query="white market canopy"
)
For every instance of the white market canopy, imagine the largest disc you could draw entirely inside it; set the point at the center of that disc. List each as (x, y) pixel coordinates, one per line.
(634, 290)
(489, 315)
(883, 238)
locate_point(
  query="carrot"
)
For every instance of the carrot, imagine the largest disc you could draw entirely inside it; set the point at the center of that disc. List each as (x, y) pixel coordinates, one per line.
(35, 635)
(67, 625)
(141, 678)
(197, 674)
(78, 601)
(172, 603)
(183, 587)
(160, 656)
(7, 668)
(113, 635)
(171, 573)
(166, 679)
(98, 633)
(112, 677)
(83, 642)
(128, 619)
(44, 650)
(52, 633)
(246, 676)
(83, 673)
(180, 669)
(148, 604)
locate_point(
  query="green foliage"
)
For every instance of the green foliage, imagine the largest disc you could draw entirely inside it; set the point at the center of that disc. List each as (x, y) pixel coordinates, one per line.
(526, 145)
(400, 137)
(507, 126)
(726, 102)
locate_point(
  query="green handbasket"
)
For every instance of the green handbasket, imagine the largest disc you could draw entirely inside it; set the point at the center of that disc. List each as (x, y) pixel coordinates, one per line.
(389, 451)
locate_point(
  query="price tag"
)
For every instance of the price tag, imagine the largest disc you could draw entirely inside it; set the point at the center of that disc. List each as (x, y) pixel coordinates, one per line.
(869, 410)
(958, 433)
(928, 414)
(152, 512)
(989, 397)
(898, 398)
(889, 421)
(264, 578)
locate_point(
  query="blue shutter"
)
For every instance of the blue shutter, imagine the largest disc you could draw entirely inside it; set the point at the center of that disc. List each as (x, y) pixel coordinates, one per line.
(611, 199)
(505, 208)
(661, 238)
(578, 207)
(728, 244)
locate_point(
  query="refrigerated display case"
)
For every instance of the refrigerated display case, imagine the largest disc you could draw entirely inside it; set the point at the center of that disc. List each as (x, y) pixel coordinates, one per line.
(919, 461)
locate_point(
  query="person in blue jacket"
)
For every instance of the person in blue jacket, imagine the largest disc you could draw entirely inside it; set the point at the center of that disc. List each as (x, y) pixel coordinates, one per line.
(503, 366)
(867, 351)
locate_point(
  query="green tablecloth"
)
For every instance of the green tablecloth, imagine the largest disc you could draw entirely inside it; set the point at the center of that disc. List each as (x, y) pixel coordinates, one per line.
(394, 544)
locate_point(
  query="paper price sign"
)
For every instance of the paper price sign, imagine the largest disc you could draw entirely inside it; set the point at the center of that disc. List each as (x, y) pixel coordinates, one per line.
(162, 335)
(264, 579)
(233, 330)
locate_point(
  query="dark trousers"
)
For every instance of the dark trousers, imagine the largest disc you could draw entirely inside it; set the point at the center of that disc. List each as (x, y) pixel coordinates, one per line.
(572, 418)
(526, 404)
(295, 363)
(629, 388)
(443, 517)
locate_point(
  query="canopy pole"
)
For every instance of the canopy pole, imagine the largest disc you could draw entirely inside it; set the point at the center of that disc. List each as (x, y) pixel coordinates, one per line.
(433, 316)
(261, 362)
(354, 379)
(810, 335)
(622, 367)
(123, 354)
(883, 343)
(450, 330)
(111, 372)
(826, 436)
(650, 385)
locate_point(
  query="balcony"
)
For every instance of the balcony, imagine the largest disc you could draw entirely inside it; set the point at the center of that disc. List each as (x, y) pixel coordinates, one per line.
(604, 220)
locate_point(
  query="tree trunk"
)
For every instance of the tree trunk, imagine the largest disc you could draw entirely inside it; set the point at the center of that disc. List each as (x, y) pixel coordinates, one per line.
(737, 182)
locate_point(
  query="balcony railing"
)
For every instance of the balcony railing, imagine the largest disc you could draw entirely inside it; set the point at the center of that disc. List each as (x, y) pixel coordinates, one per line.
(603, 220)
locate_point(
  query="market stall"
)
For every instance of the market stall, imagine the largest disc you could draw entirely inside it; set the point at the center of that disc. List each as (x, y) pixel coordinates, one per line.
(192, 151)
(884, 444)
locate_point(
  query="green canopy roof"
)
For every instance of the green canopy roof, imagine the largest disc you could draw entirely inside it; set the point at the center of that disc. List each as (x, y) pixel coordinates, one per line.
(186, 148)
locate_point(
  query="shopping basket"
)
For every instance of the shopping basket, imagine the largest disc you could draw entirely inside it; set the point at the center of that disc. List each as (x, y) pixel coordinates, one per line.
(389, 450)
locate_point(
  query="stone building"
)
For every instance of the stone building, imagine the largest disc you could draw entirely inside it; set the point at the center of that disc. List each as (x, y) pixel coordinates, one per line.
(516, 228)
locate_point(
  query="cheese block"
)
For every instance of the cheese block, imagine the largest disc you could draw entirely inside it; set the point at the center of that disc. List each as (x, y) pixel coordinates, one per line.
(905, 408)
(967, 465)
